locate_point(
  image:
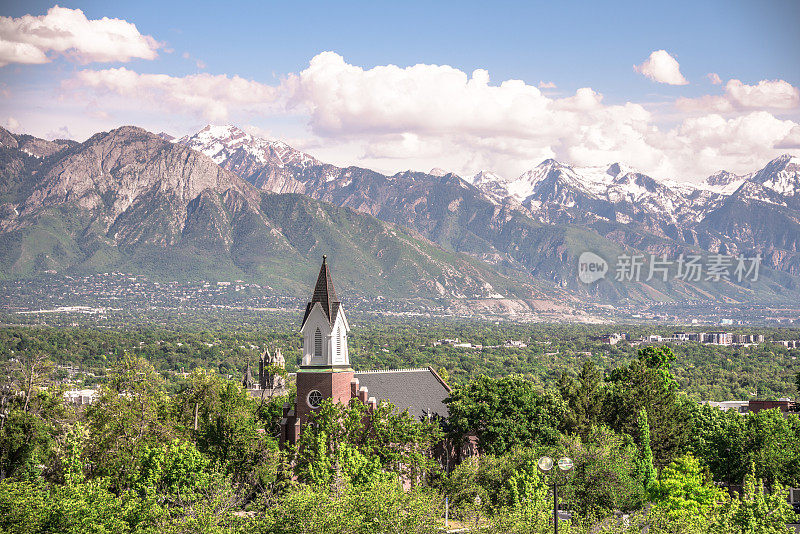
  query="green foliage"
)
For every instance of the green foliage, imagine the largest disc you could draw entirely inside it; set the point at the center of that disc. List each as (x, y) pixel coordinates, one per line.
(647, 384)
(584, 398)
(380, 506)
(357, 444)
(756, 511)
(506, 413)
(647, 469)
(496, 481)
(606, 476)
(130, 414)
(728, 442)
(684, 493)
(176, 471)
(134, 461)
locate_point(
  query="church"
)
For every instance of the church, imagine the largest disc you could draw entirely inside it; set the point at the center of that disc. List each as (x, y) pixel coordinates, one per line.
(325, 371)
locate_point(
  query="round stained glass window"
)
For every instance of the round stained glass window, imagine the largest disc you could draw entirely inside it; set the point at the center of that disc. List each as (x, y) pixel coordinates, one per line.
(314, 398)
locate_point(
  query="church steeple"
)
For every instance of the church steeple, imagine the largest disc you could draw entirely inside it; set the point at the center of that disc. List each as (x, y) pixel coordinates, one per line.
(325, 294)
(324, 325)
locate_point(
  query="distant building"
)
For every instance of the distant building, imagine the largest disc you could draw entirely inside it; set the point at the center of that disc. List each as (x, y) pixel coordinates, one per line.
(784, 405)
(269, 381)
(719, 338)
(81, 397)
(755, 406)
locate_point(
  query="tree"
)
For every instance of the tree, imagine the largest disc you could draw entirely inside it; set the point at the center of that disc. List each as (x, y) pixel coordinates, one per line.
(221, 417)
(505, 412)
(359, 444)
(646, 383)
(685, 494)
(26, 373)
(378, 507)
(607, 473)
(797, 384)
(584, 398)
(130, 414)
(756, 510)
(648, 471)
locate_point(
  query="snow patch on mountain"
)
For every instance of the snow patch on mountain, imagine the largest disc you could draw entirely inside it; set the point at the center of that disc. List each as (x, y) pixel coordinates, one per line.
(223, 142)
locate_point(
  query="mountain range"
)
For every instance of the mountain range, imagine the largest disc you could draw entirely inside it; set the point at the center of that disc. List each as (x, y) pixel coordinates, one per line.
(224, 204)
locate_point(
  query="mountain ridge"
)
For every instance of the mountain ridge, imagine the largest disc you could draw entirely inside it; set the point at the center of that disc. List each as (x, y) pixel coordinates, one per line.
(146, 202)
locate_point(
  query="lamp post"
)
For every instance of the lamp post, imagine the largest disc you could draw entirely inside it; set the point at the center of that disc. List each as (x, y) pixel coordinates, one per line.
(546, 465)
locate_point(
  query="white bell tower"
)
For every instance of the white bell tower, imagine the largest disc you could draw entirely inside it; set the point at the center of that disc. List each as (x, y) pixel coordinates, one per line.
(325, 326)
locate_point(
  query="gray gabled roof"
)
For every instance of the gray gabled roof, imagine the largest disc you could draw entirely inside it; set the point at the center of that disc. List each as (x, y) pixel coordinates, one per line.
(421, 391)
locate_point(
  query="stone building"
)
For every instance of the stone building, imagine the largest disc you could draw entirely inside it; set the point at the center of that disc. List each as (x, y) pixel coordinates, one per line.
(325, 371)
(269, 382)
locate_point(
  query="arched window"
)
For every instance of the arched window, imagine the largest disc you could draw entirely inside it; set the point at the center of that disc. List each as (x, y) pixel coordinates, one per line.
(318, 343)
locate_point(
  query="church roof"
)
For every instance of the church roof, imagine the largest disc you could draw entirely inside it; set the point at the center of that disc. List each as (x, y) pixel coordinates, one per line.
(325, 294)
(421, 391)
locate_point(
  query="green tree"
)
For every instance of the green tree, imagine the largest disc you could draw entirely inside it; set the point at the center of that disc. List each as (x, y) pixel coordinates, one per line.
(606, 475)
(130, 414)
(756, 511)
(684, 493)
(505, 412)
(646, 383)
(584, 398)
(378, 507)
(797, 384)
(648, 471)
(357, 443)
(227, 427)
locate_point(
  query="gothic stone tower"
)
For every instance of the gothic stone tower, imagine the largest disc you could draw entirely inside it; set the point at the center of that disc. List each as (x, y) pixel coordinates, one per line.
(325, 368)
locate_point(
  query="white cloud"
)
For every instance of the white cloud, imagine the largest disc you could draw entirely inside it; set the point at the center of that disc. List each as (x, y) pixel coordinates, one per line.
(393, 118)
(59, 133)
(11, 124)
(767, 94)
(714, 77)
(547, 85)
(29, 39)
(662, 68)
(211, 96)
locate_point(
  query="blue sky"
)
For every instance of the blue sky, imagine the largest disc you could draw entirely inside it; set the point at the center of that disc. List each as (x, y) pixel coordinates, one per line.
(573, 45)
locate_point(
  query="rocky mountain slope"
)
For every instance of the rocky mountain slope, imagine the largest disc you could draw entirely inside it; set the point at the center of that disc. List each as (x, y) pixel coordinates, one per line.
(226, 205)
(538, 224)
(129, 200)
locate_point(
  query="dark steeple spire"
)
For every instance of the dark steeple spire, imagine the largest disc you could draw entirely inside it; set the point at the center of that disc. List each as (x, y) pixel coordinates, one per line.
(248, 381)
(324, 293)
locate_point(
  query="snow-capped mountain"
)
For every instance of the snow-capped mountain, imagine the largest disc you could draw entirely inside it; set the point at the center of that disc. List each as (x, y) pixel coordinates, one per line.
(723, 182)
(492, 184)
(265, 162)
(725, 212)
(781, 176)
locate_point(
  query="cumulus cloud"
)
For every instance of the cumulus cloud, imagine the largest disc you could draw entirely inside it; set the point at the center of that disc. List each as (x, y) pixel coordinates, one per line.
(59, 133)
(767, 94)
(11, 124)
(29, 39)
(714, 77)
(662, 68)
(422, 116)
(211, 96)
(547, 85)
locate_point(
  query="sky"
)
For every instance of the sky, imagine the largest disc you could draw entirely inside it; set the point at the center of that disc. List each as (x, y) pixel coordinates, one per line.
(678, 90)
